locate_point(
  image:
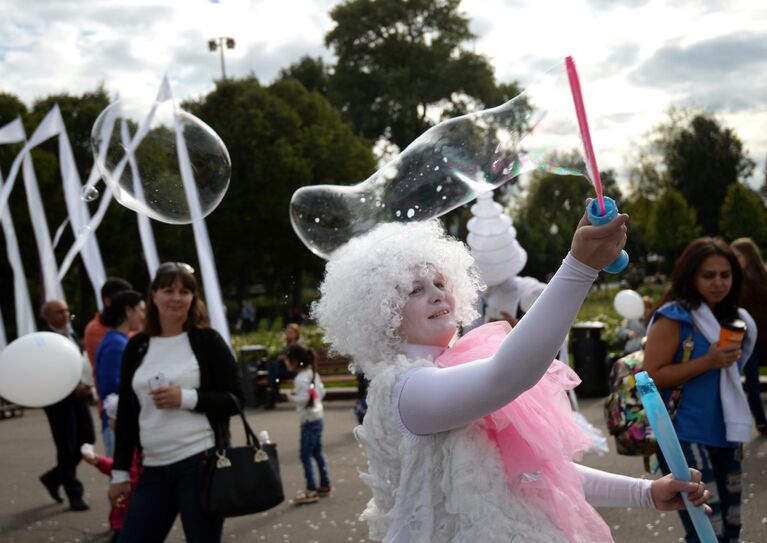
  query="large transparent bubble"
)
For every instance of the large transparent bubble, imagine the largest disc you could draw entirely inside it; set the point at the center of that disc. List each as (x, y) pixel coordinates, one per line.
(448, 166)
(160, 160)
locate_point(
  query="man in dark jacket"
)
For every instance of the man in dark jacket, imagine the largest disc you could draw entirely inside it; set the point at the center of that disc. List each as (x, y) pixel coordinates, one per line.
(70, 421)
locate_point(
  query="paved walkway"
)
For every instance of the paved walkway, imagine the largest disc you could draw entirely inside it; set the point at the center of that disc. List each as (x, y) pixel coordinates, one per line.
(27, 514)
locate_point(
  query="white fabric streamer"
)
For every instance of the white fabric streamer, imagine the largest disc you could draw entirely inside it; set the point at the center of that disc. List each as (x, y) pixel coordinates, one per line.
(25, 315)
(144, 226)
(205, 257)
(15, 133)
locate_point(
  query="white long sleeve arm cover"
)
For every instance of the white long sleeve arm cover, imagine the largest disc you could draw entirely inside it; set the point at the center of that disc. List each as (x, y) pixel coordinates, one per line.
(603, 489)
(440, 399)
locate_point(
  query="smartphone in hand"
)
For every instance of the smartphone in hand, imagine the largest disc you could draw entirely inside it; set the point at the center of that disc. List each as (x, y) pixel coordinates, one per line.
(158, 381)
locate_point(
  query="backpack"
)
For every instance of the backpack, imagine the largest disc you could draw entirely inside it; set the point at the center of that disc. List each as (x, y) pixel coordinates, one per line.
(623, 410)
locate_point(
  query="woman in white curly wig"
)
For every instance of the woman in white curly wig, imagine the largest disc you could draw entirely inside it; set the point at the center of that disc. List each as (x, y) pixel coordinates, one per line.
(471, 441)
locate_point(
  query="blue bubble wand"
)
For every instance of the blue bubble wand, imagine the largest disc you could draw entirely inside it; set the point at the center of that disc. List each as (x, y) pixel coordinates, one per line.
(657, 415)
(603, 209)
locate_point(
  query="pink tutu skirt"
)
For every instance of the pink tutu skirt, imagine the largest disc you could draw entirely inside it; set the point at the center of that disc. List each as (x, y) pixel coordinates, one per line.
(538, 439)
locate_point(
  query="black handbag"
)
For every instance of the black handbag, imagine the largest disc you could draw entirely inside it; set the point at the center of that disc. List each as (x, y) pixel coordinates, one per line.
(240, 480)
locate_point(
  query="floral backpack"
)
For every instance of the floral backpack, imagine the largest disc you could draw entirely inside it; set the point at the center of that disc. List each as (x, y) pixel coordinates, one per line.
(624, 413)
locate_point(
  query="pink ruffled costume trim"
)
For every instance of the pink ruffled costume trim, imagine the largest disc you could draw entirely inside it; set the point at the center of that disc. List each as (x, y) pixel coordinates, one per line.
(538, 439)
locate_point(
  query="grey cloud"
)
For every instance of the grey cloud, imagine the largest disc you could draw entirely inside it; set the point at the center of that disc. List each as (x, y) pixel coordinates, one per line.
(608, 121)
(620, 56)
(728, 72)
(136, 18)
(267, 66)
(719, 57)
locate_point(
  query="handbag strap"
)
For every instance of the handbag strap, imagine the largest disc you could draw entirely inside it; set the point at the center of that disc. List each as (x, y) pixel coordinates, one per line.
(250, 435)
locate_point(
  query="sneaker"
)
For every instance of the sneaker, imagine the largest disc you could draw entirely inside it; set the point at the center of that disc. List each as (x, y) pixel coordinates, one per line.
(310, 496)
(323, 491)
(78, 505)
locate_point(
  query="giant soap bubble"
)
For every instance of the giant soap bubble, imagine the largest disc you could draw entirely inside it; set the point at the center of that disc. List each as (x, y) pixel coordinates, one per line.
(39, 369)
(448, 166)
(160, 160)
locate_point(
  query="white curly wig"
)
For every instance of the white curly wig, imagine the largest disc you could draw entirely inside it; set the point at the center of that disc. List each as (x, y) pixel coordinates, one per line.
(367, 281)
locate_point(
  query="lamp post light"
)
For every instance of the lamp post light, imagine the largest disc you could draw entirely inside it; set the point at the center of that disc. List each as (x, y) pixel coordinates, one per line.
(218, 43)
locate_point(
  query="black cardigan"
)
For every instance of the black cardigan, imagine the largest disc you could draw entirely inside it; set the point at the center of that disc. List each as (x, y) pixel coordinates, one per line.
(218, 377)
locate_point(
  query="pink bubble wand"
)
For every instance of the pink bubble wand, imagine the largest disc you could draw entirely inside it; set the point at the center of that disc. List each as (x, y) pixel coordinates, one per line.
(583, 125)
(602, 214)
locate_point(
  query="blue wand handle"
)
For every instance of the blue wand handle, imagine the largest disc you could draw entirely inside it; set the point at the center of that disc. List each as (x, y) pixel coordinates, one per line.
(665, 435)
(597, 219)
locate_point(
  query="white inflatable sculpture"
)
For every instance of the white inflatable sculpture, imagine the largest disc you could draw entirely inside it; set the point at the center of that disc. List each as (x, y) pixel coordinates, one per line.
(499, 258)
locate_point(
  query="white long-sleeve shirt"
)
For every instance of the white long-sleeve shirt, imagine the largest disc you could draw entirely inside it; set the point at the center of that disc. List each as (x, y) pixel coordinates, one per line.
(432, 400)
(302, 384)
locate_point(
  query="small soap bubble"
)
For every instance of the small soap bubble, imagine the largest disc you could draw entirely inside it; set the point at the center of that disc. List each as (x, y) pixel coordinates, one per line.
(89, 194)
(410, 213)
(84, 231)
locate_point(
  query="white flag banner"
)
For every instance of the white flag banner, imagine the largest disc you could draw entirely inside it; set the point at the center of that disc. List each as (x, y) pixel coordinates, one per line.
(77, 208)
(144, 226)
(25, 315)
(15, 133)
(213, 297)
(51, 284)
(3, 340)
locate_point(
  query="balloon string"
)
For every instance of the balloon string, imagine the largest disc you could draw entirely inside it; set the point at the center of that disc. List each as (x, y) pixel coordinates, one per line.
(583, 125)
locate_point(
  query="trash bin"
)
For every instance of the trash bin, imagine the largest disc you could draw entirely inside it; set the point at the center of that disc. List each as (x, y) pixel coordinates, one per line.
(590, 356)
(253, 366)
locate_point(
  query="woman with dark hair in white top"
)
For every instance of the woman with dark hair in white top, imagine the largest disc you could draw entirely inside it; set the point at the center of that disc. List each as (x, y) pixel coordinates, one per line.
(177, 390)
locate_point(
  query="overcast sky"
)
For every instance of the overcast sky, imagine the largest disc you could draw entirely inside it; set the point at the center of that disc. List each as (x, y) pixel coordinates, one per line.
(636, 57)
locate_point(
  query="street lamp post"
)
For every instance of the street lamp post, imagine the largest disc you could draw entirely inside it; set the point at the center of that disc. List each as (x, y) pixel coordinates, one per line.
(218, 43)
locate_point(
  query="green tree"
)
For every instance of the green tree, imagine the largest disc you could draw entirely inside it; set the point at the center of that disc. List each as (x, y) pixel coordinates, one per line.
(546, 218)
(280, 138)
(702, 159)
(673, 225)
(638, 243)
(743, 214)
(646, 179)
(399, 60)
(311, 72)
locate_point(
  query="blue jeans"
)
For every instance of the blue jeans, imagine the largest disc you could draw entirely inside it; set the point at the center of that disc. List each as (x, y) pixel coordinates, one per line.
(751, 371)
(162, 493)
(109, 441)
(311, 447)
(721, 470)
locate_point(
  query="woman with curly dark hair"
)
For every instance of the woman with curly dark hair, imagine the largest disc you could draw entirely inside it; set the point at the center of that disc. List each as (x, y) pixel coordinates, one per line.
(684, 355)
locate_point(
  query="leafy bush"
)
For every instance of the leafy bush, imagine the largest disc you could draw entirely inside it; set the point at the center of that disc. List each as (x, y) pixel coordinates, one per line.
(273, 338)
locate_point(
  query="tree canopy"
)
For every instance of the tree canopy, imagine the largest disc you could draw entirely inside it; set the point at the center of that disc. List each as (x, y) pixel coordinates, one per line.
(399, 60)
(280, 137)
(702, 159)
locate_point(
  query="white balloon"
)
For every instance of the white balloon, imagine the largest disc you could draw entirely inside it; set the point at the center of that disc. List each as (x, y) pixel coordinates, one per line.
(629, 304)
(39, 369)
